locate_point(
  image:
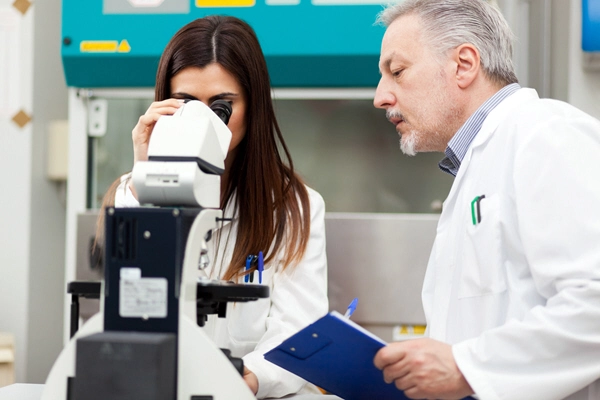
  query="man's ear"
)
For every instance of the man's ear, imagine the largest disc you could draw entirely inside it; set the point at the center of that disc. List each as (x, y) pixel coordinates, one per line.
(468, 64)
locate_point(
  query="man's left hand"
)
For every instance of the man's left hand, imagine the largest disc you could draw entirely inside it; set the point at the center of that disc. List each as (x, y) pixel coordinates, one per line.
(423, 369)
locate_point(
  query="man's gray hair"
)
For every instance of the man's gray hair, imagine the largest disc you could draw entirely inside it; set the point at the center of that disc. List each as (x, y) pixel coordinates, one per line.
(449, 23)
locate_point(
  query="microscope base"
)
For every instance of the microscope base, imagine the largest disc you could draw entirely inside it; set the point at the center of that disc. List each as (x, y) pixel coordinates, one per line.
(203, 368)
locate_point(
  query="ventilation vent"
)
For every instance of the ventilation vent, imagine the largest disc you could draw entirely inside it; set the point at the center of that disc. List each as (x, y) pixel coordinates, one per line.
(124, 239)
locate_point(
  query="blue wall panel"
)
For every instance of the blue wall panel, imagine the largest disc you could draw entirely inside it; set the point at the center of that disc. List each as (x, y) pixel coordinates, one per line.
(590, 35)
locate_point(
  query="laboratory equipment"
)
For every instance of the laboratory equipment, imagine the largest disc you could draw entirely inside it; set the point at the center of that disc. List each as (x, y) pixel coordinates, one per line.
(147, 341)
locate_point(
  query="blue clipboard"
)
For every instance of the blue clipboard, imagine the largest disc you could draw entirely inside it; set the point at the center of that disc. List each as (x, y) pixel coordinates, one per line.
(336, 354)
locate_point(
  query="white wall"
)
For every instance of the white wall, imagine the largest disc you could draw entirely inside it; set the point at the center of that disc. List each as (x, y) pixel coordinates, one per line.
(32, 212)
(548, 54)
(16, 93)
(517, 14)
(47, 224)
(541, 50)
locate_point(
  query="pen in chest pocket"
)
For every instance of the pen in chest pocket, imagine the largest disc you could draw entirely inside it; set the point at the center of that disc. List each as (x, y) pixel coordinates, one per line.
(260, 267)
(249, 261)
(476, 209)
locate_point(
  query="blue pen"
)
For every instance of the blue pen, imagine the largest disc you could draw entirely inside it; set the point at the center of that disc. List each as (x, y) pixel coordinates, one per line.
(351, 308)
(261, 266)
(248, 262)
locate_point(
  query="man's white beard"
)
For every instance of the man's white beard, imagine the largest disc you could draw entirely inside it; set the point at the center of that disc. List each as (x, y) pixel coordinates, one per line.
(408, 144)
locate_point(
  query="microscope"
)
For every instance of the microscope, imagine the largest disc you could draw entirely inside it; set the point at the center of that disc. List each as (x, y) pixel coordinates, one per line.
(147, 342)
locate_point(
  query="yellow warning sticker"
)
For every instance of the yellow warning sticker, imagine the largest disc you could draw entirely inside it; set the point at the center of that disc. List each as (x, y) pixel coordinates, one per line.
(225, 3)
(419, 329)
(124, 47)
(104, 46)
(410, 330)
(98, 46)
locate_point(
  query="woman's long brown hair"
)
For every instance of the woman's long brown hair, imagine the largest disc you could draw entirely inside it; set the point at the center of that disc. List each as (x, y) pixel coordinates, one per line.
(271, 201)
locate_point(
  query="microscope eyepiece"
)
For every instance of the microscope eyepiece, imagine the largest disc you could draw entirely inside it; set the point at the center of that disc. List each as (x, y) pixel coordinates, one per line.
(223, 110)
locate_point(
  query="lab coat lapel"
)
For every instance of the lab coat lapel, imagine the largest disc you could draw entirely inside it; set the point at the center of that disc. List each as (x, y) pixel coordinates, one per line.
(498, 114)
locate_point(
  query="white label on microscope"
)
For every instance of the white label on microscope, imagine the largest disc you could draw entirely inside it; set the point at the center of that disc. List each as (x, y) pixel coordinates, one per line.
(130, 273)
(143, 298)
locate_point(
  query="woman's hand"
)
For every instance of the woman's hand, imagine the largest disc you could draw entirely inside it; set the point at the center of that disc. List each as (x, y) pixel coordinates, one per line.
(143, 130)
(251, 380)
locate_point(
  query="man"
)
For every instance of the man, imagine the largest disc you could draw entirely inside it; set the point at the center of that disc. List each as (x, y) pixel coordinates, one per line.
(512, 290)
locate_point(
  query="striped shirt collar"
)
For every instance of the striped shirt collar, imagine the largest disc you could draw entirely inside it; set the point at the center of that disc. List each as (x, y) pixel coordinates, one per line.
(460, 142)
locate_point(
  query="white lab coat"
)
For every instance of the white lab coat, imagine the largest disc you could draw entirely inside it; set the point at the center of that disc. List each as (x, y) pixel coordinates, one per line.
(518, 294)
(298, 297)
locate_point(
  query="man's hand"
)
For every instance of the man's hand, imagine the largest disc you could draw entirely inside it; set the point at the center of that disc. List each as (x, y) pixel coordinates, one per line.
(251, 380)
(423, 369)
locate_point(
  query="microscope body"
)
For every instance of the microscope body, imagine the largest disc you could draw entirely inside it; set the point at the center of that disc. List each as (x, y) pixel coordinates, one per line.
(146, 342)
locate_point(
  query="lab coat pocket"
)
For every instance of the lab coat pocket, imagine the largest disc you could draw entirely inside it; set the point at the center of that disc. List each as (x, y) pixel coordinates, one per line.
(481, 261)
(247, 321)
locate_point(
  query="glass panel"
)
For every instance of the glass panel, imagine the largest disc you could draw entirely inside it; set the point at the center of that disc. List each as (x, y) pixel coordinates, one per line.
(112, 154)
(344, 149)
(349, 152)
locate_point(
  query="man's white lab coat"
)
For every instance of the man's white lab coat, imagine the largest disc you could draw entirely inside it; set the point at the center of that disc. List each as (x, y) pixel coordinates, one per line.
(518, 292)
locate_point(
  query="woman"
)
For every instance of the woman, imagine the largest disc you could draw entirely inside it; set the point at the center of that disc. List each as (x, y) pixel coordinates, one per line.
(271, 209)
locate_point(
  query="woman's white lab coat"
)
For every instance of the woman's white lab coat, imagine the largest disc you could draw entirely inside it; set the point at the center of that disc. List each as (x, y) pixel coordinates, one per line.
(518, 293)
(298, 297)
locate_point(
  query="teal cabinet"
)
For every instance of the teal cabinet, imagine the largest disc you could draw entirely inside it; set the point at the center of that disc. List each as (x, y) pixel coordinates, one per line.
(307, 43)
